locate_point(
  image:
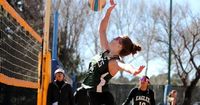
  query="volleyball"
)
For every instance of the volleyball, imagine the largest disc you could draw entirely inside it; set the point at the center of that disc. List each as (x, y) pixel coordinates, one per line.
(96, 5)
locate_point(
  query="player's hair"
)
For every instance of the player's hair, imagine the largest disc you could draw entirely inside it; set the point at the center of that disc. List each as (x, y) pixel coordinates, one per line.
(128, 47)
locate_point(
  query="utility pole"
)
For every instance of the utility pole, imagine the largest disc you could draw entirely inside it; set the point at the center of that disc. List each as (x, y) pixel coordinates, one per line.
(168, 86)
(56, 5)
(170, 46)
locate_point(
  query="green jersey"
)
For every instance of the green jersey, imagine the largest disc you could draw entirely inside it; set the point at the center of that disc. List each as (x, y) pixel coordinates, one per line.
(97, 67)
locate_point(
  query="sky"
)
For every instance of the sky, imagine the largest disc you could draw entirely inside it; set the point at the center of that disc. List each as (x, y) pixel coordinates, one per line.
(156, 66)
(195, 5)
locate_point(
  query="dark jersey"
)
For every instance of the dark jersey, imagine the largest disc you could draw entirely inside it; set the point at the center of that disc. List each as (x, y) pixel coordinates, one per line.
(140, 97)
(97, 67)
(60, 92)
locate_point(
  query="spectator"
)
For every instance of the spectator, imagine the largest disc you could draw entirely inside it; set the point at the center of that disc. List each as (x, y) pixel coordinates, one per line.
(60, 92)
(172, 97)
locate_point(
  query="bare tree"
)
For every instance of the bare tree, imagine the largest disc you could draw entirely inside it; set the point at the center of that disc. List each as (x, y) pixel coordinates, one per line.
(91, 37)
(146, 31)
(185, 45)
(187, 59)
(73, 19)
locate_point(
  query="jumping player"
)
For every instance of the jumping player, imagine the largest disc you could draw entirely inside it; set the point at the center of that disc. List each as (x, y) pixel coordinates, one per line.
(107, 63)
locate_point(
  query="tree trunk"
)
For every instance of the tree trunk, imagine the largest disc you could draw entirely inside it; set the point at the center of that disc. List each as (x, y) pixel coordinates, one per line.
(189, 90)
(188, 93)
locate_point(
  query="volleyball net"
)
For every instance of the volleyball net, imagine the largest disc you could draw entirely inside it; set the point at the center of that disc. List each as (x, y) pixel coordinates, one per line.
(19, 50)
(20, 46)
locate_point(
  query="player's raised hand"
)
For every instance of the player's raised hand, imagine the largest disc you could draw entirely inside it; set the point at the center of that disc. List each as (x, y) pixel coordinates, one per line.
(139, 70)
(112, 2)
(111, 8)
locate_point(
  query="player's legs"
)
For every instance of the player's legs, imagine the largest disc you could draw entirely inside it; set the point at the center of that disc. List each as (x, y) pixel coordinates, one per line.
(108, 98)
(95, 98)
(81, 97)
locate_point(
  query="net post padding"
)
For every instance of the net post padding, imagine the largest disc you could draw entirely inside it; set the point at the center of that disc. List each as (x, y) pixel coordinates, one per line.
(17, 82)
(46, 78)
(39, 90)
